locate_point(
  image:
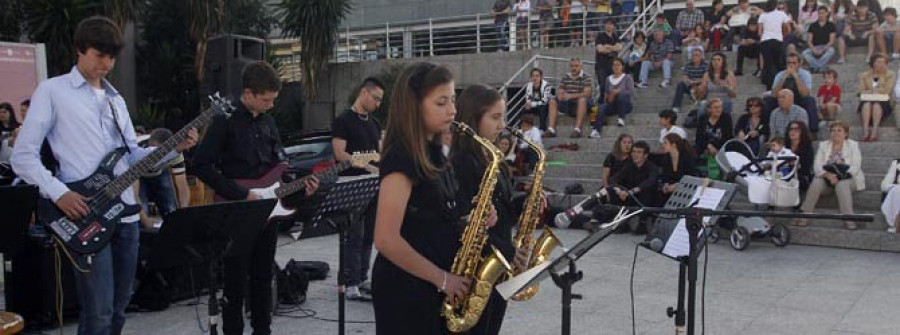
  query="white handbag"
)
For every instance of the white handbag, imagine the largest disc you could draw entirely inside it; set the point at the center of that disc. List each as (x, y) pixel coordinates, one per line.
(784, 193)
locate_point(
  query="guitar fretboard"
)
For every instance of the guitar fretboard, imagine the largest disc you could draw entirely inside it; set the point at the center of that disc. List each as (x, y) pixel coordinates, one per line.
(146, 164)
(299, 184)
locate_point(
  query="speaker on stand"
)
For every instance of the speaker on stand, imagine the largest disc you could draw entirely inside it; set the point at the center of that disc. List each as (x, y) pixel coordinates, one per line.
(226, 57)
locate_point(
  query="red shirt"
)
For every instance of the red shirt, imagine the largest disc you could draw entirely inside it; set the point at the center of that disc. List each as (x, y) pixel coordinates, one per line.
(829, 93)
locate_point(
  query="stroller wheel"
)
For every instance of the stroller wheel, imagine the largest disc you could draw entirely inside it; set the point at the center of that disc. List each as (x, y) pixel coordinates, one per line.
(781, 235)
(712, 235)
(740, 238)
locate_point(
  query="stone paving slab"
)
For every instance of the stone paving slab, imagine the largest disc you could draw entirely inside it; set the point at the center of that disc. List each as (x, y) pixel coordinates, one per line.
(764, 290)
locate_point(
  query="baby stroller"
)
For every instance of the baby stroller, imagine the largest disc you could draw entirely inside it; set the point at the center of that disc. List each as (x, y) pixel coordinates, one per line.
(778, 187)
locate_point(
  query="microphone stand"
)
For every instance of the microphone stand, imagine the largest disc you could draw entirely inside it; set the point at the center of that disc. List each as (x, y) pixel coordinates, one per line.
(687, 273)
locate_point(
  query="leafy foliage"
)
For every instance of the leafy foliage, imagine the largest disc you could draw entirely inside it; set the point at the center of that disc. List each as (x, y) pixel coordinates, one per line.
(315, 23)
(10, 21)
(53, 23)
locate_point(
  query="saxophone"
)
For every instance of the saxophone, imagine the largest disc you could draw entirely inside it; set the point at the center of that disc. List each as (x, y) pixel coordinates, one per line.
(530, 218)
(463, 314)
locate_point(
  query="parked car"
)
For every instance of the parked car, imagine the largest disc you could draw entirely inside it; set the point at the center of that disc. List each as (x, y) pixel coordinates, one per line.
(307, 150)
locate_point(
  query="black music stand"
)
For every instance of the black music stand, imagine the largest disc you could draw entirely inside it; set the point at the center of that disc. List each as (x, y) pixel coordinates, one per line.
(17, 203)
(561, 263)
(194, 235)
(345, 200)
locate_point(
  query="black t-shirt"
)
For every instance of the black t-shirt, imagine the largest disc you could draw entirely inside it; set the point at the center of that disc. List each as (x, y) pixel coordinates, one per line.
(430, 224)
(614, 163)
(469, 172)
(821, 33)
(604, 39)
(750, 34)
(361, 134)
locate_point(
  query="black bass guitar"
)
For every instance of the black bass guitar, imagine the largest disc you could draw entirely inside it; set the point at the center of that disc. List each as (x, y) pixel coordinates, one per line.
(103, 189)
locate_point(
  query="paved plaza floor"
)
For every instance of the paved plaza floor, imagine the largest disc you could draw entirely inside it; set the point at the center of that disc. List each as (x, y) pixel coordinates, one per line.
(762, 290)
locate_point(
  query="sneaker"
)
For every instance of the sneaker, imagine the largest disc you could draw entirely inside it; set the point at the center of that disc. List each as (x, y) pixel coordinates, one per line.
(576, 133)
(664, 83)
(550, 132)
(738, 73)
(354, 294)
(675, 109)
(595, 133)
(841, 60)
(757, 73)
(895, 56)
(642, 85)
(620, 122)
(892, 230)
(366, 287)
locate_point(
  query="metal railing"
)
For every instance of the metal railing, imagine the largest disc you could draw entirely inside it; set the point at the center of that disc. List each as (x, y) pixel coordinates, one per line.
(482, 32)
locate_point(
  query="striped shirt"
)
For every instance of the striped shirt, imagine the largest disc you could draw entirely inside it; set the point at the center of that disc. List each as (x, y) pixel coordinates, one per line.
(687, 20)
(859, 26)
(575, 85)
(694, 72)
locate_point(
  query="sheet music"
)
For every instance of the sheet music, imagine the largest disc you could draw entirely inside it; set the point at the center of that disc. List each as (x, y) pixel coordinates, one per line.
(678, 244)
(509, 288)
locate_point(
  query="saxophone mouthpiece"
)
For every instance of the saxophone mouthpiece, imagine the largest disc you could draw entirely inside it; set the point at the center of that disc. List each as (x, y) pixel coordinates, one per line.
(463, 128)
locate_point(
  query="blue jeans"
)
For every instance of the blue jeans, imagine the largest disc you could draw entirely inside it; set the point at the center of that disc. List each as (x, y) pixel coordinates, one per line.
(822, 61)
(647, 65)
(502, 36)
(159, 190)
(680, 91)
(621, 105)
(105, 291)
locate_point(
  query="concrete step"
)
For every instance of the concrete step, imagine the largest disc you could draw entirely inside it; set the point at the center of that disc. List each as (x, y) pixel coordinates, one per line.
(650, 116)
(876, 165)
(603, 146)
(612, 131)
(864, 201)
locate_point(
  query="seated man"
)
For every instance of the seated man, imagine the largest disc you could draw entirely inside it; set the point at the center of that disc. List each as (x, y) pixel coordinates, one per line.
(688, 18)
(799, 81)
(635, 184)
(658, 55)
(887, 39)
(786, 112)
(748, 47)
(691, 77)
(820, 35)
(572, 96)
(860, 30)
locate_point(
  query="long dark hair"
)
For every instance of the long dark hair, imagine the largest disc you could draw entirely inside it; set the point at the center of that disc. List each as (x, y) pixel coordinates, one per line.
(617, 147)
(685, 149)
(805, 136)
(712, 72)
(12, 114)
(406, 124)
(471, 105)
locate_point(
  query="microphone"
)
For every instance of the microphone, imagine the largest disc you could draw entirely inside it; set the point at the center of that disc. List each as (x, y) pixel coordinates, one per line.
(564, 219)
(655, 244)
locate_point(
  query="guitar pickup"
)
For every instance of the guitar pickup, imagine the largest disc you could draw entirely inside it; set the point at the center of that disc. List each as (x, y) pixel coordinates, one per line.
(89, 231)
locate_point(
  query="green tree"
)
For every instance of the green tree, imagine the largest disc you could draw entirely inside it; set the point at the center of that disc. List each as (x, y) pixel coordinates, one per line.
(53, 23)
(10, 20)
(315, 23)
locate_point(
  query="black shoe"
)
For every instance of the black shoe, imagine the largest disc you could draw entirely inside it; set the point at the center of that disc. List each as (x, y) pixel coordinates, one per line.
(756, 73)
(738, 73)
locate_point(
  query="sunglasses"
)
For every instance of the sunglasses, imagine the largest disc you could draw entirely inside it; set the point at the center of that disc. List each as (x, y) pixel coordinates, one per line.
(794, 128)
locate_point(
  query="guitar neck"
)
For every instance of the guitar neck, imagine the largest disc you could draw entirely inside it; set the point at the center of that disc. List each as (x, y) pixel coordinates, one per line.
(300, 184)
(121, 183)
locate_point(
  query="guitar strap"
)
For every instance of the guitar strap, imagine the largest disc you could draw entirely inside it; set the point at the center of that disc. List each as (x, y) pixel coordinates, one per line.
(118, 127)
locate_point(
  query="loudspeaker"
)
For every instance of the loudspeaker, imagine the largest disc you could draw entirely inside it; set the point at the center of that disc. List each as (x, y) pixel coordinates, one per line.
(31, 283)
(226, 56)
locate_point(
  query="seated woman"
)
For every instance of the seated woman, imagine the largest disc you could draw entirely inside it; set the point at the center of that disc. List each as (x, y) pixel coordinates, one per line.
(718, 83)
(621, 154)
(838, 167)
(635, 53)
(751, 127)
(714, 130)
(697, 39)
(679, 161)
(890, 185)
(877, 80)
(618, 89)
(799, 141)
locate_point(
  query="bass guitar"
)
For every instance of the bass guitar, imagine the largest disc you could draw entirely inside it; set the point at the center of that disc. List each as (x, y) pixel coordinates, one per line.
(269, 185)
(103, 189)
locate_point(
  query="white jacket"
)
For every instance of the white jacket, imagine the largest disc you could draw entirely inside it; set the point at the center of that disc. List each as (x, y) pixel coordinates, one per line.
(852, 157)
(891, 177)
(544, 94)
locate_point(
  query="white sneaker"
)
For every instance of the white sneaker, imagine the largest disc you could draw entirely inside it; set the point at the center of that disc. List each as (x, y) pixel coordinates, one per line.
(895, 56)
(664, 84)
(892, 230)
(595, 133)
(353, 293)
(621, 122)
(675, 109)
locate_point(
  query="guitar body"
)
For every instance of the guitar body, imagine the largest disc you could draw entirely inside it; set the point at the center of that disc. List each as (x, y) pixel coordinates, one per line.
(265, 186)
(91, 233)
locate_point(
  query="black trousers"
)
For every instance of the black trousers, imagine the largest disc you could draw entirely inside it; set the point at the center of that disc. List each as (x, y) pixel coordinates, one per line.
(251, 270)
(773, 54)
(747, 51)
(491, 317)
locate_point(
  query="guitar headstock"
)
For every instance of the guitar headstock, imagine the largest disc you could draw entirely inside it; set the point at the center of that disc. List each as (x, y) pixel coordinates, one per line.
(220, 104)
(361, 159)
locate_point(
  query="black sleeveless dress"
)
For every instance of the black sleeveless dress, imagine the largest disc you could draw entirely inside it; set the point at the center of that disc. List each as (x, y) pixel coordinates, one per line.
(405, 304)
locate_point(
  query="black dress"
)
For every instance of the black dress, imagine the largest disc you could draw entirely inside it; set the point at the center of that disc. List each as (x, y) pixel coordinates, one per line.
(469, 172)
(403, 303)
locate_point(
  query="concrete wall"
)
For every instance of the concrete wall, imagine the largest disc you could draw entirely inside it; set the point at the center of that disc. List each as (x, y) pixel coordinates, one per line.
(492, 69)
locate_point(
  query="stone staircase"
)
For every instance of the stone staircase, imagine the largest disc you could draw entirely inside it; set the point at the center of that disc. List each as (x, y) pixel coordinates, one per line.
(585, 166)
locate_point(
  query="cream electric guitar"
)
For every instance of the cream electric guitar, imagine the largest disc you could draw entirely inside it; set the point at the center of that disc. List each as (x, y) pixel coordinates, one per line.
(269, 185)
